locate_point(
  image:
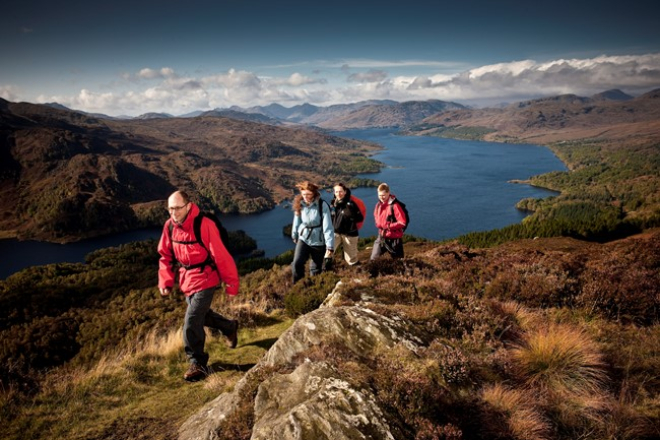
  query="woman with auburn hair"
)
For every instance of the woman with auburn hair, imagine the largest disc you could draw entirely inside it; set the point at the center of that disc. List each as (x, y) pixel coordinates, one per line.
(312, 231)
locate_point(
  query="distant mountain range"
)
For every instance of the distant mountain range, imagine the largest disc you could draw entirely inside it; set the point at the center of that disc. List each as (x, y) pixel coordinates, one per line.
(609, 115)
(363, 114)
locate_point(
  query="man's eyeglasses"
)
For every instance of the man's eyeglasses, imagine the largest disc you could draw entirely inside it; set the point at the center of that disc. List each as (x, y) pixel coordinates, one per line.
(176, 208)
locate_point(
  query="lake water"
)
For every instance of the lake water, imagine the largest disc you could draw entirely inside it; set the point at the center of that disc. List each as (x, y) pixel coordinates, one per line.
(450, 187)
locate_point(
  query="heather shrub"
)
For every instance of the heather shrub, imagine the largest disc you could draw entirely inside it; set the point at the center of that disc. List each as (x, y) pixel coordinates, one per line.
(384, 266)
(427, 430)
(631, 352)
(622, 290)
(449, 364)
(534, 284)
(394, 290)
(484, 325)
(624, 283)
(461, 279)
(624, 422)
(405, 388)
(436, 316)
(308, 294)
(262, 292)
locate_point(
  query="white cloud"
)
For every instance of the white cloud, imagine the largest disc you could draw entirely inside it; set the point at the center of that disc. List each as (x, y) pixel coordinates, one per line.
(528, 78)
(176, 94)
(10, 93)
(163, 73)
(296, 80)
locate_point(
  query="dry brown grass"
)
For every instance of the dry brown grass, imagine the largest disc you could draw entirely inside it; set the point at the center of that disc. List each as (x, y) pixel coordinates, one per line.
(560, 360)
(521, 414)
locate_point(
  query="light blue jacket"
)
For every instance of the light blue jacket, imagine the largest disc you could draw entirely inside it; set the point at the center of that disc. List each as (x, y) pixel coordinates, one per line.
(309, 228)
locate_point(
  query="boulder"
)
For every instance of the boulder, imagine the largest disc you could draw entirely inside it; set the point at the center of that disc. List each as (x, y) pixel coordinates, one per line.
(311, 402)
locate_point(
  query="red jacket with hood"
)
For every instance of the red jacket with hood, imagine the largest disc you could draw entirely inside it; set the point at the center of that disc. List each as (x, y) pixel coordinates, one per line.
(196, 279)
(389, 229)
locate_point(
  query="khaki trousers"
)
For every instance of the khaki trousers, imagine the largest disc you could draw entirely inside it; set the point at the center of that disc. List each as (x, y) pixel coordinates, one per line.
(350, 246)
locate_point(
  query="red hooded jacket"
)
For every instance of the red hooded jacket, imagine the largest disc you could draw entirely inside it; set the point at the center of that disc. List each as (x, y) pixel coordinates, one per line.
(196, 279)
(389, 229)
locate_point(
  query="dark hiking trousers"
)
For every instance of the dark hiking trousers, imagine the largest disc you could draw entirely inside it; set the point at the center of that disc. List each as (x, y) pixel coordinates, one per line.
(393, 246)
(301, 255)
(199, 315)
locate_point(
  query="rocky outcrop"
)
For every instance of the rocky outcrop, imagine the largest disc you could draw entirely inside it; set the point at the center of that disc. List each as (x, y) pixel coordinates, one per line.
(314, 403)
(311, 401)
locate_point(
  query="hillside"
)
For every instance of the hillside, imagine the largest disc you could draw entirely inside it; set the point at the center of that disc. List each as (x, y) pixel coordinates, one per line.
(559, 118)
(536, 339)
(363, 114)
(66, 175)
(610, 143)
(382, 116)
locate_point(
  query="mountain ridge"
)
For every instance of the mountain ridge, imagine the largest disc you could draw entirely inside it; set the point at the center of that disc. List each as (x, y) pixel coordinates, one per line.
(546, 120)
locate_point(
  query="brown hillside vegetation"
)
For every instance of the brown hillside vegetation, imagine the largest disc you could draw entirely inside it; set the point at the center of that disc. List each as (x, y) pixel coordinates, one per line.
(551, 338)
(65, 175)
(536, 339)
(386, 115)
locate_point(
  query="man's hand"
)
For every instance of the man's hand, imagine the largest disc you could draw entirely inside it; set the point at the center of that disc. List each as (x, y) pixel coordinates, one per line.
(165, 291)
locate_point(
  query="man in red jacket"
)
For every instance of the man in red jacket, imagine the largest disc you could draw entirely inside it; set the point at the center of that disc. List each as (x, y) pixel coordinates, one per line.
(203, 266)
(391, 222)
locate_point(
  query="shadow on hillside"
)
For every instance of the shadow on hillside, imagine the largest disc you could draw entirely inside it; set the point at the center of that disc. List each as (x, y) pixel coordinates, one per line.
(264, 343)
(263, 321)
(218, 367)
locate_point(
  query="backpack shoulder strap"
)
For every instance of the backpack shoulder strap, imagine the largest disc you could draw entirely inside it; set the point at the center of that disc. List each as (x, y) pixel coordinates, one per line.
(197, 229)
(393, 216)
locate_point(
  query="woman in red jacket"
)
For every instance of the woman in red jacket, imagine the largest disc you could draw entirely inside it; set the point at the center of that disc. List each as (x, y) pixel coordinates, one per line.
(390, 221)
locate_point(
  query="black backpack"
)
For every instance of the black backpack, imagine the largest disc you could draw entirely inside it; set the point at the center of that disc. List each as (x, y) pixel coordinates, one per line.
(197, 227)
(392, 217)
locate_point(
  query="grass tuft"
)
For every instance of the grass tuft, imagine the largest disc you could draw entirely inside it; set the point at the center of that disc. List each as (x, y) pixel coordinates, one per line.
(522, 417)
(562, 361)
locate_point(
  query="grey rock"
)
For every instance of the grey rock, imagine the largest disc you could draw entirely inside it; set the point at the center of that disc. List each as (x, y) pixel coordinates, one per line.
(312, 402)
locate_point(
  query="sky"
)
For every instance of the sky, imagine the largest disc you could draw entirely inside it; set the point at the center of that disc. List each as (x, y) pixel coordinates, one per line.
(174, 56)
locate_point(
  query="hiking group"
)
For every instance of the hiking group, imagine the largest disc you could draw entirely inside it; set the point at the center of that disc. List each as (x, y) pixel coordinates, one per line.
(320, 228)
(196, 242)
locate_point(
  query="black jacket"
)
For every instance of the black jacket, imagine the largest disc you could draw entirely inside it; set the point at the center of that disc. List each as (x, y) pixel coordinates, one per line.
(346, 215)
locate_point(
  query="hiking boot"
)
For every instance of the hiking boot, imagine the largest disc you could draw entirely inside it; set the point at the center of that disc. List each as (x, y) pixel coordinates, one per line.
(232, 338)
(195, 372)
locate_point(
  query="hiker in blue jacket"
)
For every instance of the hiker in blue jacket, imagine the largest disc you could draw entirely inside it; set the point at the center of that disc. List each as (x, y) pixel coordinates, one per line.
(312, 231)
